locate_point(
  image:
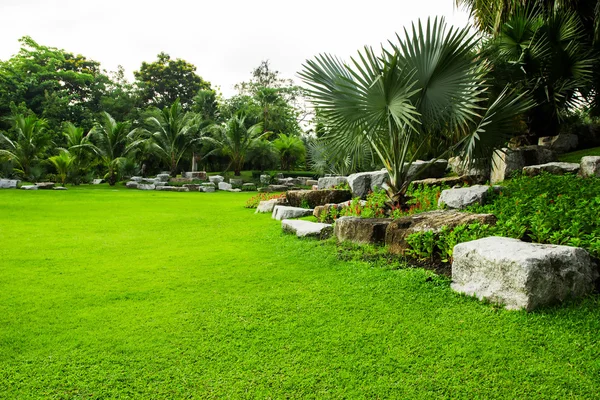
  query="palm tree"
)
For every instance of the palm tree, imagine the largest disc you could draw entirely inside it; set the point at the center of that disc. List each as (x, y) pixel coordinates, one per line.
(234, 140)
(29, 143)
(429, 85)
(291, 150)
(173, 132)
(80, 148)
(263, 155)
(112, 141)
(63, 163)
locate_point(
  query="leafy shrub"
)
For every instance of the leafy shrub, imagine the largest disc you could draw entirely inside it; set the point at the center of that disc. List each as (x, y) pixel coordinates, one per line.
(253, 201)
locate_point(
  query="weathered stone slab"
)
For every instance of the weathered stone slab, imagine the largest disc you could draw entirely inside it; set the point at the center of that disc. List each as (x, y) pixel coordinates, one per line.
(137, 179)
(207, 189)
(192, 187)
(506, 162)
(589, 166)
(163, 177)
(479, 168)
(314, 198)
(427, 169)
(9, 183)
(463, 197)
(311, 182)
(236, 181)
(216, 179)
(200, 175)
(562, 143)
(160, 183)
(97, 181)
(29, 187)
(556, 168)
(277, 188)
(172, 189)
(287, 212)
(521, 275)
(267, 206)
(361, 230)
(59, 188)
(234, 190)
(398, 230)
(306, 228)
(331, 181)
(132, 185)
(225, 186)
(146, 187)
(448, 181)
(45, 185)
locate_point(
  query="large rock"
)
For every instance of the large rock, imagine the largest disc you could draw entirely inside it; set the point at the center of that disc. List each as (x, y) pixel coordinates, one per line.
(562, 143)
(312, 182)
(277, 188)
(463, 197)
(225, 186)
(236, 181)
(172, 189)
(521, 275)
(9, 183)
(29, 187)
(207, 189)
(137, 179)
(97, 181)
(556, 168)
(398, 230)
(286, 212)
(465, 180)
(146, 187)
(306, 228)
(59, 188)
(45, 185)
(192, 187)
(589, 166)
(314, 198)
(216, 179)
(267, 206)
(361, 230)
(132, 185)
(506, 162)
(329, 182)
(426, 169)
(200, 175)
(479, 168)
(160, 183)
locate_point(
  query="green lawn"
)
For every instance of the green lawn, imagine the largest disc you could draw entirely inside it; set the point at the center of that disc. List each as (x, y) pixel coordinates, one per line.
(575, 156)
(132, 294)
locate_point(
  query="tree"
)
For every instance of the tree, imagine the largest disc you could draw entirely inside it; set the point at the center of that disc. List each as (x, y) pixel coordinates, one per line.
(80, 149)
(112, 142)
(172, 133)
(164, 81)
(234, 139)
(429, 85)
(263, 155)
(28, 145)
(291, 150)
(63, 163)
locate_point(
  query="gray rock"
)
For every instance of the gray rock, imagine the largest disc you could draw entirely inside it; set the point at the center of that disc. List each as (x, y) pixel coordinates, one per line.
(506, 162)
(29, 187)
(286, 212)
(225, 186)
(137, 179)
(306, 228)
(360, 184)
(361, 230)
(463, 197)
(521, 275)
(265, 179)
(556, 168)
(236, 181)
(303, 179)
(201, 175)
(426, 169)
(216, 179)
(314, 198)
(277, 188)
(288, 181)
(561, 143)
(331, 181)
(207, 189)
(97, 181)
(589, 166)
(159, 183)
(208, 184)
(477, 169)
(267, 206)
(45, 185)
(59, 188)
(9, 183)
(234, 190)
(146, 187)
(192, 187)
(172, 189)
(132, 185)
(311, 182)
(163, 177)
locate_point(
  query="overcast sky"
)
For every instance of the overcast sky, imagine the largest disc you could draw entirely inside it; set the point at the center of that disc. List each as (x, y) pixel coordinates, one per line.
(225, 39)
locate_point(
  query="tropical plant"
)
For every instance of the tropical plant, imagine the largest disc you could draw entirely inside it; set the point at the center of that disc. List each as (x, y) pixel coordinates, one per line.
(28, 144)
(430, 84)
(80, 148)
(291, 150)
(263, 155)
(323, 156)
(63, 163)
(112, 142)
(234, 140)
(172, 132)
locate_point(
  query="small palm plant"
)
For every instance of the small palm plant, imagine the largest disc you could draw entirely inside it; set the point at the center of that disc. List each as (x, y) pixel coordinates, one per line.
(291, 150)
(429, 87)
(63, 163)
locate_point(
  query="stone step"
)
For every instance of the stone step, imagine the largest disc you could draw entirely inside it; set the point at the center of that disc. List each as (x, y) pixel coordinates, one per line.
(306, 228)
(286, 212)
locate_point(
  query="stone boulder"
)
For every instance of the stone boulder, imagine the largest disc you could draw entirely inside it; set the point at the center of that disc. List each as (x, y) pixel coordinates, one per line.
(267, 206)
(225, 186)
(163, 177)
(137, 179)
(398, 230)
(59, 188)
(286, 212)
(329, 182)
(132, 185)
(45, 185)
(521, 275)
(556, 168)
(236, 181)
(160, 183)
(361, 230)
(426, 169)
(277, 188)
(234, 190)
(97, 181)
(479, 168)
(506, 162)
(306, 228)
(200, 175)
(589, 166)
(216, 179)
(303, 179)
(562, 143)
(312, 182)
(463, 197)
(192, 187)
(207, 189)
(172, 189)
(146, 187)
(29, 187)
(314, 198)
(9, 183)
(465, 180)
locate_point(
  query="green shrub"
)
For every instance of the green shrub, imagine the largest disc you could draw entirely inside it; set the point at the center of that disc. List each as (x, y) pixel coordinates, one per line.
(253, 201)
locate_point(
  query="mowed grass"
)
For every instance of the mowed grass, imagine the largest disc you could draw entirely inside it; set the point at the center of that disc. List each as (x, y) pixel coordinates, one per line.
(131, 294)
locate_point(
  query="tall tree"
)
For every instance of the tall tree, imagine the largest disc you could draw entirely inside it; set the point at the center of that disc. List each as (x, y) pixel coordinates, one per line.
(165, 80)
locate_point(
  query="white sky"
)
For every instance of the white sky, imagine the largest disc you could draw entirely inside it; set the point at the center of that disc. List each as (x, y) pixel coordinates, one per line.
(225, 39)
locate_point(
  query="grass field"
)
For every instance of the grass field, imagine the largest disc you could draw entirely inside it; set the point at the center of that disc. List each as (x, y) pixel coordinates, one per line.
(575, 156)
(131, 294)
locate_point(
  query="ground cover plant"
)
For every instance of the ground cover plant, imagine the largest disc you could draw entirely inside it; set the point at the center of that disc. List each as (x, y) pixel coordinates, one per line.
(575, 156)
(113, 293)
